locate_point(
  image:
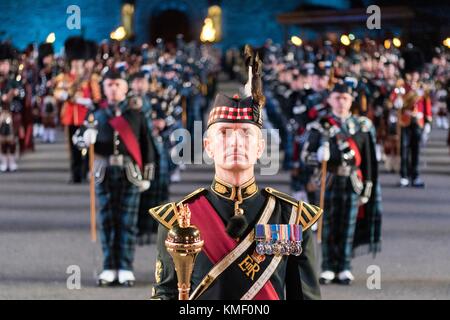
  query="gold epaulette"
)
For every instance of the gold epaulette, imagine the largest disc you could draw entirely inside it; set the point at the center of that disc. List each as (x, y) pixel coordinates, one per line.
(307, 214)
(165, 214)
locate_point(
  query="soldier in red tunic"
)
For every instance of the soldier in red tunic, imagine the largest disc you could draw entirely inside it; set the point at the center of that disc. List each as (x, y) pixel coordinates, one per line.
(78, 92)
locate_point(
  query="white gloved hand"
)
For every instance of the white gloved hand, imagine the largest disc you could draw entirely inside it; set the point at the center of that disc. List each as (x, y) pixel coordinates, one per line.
(425, 133)
(90, 136)
(427, 128)
(323, 153)
(87, 102)
(75, 139)
(363, 200)
(145, 185)
(420, 92)
(398, 103)
(63, 95)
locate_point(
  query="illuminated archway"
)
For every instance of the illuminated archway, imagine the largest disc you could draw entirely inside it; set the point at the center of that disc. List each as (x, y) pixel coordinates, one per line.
(168, 24)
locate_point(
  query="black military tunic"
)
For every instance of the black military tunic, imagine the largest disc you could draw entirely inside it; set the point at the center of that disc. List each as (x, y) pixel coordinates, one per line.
(104, 145)
(295, 276)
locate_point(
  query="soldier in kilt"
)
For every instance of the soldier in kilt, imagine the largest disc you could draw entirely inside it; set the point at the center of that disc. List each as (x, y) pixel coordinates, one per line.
(47, 105)
(11, 96)
(124, 166)
(158, 192)
(351, 212)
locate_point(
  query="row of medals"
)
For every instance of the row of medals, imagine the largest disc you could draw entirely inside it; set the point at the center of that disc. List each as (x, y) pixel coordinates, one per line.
(279, 248)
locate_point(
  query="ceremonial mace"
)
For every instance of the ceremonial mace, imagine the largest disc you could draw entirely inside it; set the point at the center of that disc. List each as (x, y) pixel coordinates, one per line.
(184, 244)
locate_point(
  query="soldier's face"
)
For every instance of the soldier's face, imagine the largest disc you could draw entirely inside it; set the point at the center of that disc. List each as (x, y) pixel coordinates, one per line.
(48, 60)
(77, 66)
(320, 82)
(389, 71)
(4, 67)
(234, 146)
(90, 64)
(139, 86)
(413, 76)
(115, 89)
(355, 68)
(340, 103)
(367, 64)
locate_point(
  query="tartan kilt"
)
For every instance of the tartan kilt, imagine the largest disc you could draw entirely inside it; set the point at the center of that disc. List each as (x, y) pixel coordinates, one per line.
(339, 222)
(118, 202)
(368, 226)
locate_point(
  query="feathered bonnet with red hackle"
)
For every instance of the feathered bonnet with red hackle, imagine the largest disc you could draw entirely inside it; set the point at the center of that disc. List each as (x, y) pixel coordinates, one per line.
(242, 110)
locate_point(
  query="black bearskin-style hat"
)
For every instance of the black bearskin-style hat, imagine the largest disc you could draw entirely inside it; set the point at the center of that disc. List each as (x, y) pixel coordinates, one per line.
(75, 48)
(45, 49)
(242, 110)
(6, 51)
(413, 60)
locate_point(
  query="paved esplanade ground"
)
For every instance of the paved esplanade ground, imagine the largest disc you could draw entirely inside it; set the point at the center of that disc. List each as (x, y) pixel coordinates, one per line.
(44, 229)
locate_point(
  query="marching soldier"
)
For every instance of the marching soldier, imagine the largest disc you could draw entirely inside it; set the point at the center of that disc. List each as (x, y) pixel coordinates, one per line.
(158, 192)
(283, 110)
(310, 107)
(351, 218)
(388, 128)
(25, 75)
(124, 167)
(78, 93)
(316, 102)
(170, 107)
(10, 111)
(415, 119)
(257, 242)
(46, 103)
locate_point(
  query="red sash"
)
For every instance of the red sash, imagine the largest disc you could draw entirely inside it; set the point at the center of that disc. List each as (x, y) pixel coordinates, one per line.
(358, 160)
(128, 138)
(217, 242)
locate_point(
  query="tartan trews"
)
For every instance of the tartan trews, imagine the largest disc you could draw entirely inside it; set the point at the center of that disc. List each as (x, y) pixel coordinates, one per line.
(339, 222)
(118, 203)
